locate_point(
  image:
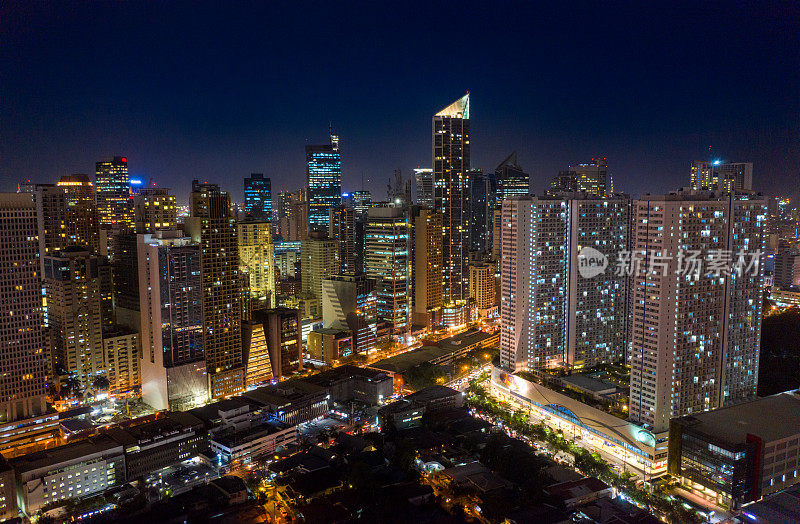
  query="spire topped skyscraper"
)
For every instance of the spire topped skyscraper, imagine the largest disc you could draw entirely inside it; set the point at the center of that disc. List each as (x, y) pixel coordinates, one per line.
(451, 194)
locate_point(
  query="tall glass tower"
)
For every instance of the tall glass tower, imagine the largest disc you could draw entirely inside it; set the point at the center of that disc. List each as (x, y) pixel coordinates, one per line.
(258, 196)
(451, 194)
(324, 179)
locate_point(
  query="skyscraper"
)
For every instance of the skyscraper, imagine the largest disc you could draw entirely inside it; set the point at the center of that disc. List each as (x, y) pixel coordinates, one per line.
(362, 200)
(343, 229)
(553, 314)
(173, 358)
(425, 192)
(78, 292)
(511, 179)
(213, 225)
(479, 206)
(720, 176)
(591, 178)
(320, 259)
(387, 261)
(324, 182)
(258, 196)
(82, 222)
(695, 321)
(282, 328)
(451, 162)
(114, 203)
(154, 209)
(426, 274)
(257, 259)
(24, 361)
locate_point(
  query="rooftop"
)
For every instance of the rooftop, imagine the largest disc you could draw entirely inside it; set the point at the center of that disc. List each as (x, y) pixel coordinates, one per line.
(404, 362)
(588, 383)
(237, 438)
(468, 338)
(429, 393)
(734, 423)
(74, 451)
(577, 488)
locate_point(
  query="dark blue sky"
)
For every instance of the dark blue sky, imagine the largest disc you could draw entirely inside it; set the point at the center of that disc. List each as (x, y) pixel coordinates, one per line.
(205, 90)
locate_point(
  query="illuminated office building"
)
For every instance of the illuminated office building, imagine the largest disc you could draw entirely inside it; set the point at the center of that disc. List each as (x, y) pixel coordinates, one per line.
(451, 163)
(480, 214)
(362, 200)
(349, 303)
(114, 204)
(510, 180)
(258, 196)
(425, 193)
(344, 228)
(257, 259)
(324, 182)
(387, 261)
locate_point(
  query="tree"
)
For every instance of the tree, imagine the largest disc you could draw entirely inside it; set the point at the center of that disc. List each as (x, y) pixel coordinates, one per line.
(101, 383)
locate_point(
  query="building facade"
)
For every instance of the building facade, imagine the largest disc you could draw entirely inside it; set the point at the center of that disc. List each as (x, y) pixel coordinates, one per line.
(324, 182)
(387, 262)
(718, 176)
(696, 300)
(553, 314)
(258, 196)
(426, 274)
(113, 187)
(213, 225)
(24, 355)
(451, 163)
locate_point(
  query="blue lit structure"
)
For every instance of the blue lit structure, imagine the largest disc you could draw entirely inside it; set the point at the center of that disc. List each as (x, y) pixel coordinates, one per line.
(258, 196)
(324, 179)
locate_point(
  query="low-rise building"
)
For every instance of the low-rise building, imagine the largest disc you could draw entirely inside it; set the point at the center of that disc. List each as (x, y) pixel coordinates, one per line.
(171, 438)
(437, 398)
(327, 346)
(75, 470)
(240, 447)
(576, 493)
(788, 297)
(346, 383)
(402, 414)
(292, 401)
(734, 455)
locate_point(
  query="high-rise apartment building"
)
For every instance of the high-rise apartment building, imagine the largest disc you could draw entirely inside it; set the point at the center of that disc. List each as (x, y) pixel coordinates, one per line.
(591, 178)
(123, 365)
(81, 220)
(213, 225)
(387, 261)
(173, 364)
(719, 176)
(324, 182)
(426, 259)
(554, 313)
(24, 356)
(696, 300)
(257, 259)
(425, 192)
(114, 204)
(78, 296)
(482, 287)
(349, 303)
(154, 209)
(258, 196)
(451, 163)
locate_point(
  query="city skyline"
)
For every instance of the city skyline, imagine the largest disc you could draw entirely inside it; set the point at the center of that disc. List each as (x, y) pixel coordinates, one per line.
(689, 96)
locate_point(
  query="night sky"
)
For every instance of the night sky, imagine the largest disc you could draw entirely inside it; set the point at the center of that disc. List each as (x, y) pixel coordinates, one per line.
(199, 90)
